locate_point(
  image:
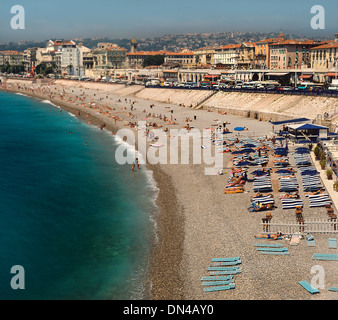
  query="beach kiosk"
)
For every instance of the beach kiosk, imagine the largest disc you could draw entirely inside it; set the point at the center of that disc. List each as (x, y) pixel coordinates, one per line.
(307, 131)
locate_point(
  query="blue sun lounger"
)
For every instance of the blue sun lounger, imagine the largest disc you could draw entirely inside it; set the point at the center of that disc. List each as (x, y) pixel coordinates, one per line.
(222, 268)
(333, 243)
(225, 259)
(307, 286)
(269, 245)
(273, 249)
(335, 289)
(218, 283)
(226, 272)
(282, 253)
(224, 264)
(325, 257)
(219, 278)
(219, 288)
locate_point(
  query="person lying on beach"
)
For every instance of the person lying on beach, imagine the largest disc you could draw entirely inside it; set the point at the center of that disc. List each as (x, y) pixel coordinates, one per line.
(269, 236)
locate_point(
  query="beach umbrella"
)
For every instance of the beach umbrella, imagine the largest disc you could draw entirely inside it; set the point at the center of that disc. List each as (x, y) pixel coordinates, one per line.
(259, 173)
(236, 152)
(239, 129)
(279, 138)
(243, 163)
(304, 141)
(302, 151)
(247, 150)
(284, 171)
(250, 145)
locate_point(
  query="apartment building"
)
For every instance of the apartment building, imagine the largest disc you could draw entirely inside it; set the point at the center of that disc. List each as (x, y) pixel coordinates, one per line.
(291, 54)
(227, 55)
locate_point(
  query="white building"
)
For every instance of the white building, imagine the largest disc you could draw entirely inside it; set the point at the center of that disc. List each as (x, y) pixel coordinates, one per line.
(227, 55)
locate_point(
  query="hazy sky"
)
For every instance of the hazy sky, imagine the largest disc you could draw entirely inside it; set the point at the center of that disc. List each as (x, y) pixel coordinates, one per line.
(147, 18)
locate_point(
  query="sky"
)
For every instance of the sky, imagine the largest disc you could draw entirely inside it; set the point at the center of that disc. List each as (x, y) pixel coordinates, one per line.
(67, 19)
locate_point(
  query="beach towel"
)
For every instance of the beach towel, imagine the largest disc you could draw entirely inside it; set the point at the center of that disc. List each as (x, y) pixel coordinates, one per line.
(295, 240)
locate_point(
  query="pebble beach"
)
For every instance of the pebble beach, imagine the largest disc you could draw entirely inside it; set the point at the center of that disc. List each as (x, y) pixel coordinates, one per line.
(197, 221)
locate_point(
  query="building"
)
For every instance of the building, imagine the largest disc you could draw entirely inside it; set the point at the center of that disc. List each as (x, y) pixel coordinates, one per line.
(291, 54)
(204, 57)
(324, 59)
(245, 58)
(227, 56)
(12, 58)
(136, 59)
(109, 56)
(183, 59)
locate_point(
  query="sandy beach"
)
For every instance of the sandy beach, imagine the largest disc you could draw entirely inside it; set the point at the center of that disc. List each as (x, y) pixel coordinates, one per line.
(196, 220)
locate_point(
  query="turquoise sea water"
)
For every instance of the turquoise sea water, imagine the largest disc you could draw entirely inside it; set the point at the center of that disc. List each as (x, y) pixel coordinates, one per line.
(78, 223)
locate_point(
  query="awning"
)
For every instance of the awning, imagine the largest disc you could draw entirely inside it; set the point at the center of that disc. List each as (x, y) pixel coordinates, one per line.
(307, 126)
(211, 76)
(278, 74)
(290, 121)
(332, 74)
(306, 76)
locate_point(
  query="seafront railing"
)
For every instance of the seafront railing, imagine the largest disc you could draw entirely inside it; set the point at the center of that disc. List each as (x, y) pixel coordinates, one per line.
(311, 226)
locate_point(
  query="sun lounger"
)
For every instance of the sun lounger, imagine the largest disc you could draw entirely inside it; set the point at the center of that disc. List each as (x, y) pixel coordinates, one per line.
(335, 289)
(283, 249)
(227, 272)
(225, 259)
(269, 245)
(219, 288)
(325, 257)
(215, 278)
(224, 264)
(332, 243)
(218, 283)
(222, 268)
(274, 253)
(307, 286)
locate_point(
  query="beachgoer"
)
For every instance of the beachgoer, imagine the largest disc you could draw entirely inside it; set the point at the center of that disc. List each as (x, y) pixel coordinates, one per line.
(269, 236)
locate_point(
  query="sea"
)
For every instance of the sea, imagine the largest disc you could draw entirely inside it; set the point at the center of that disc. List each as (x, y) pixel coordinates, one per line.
(79, 225)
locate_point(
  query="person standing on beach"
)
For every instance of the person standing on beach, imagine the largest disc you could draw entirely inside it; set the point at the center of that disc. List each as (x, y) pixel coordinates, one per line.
(133, 167)
(138, 164)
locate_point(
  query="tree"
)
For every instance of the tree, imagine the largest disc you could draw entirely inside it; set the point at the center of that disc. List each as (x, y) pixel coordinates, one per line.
(155, 60)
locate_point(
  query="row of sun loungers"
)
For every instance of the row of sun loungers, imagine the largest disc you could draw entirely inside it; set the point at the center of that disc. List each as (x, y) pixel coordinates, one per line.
(222, 271)
(262, 184)
(319, 200)
(272, 249)
(261, 203)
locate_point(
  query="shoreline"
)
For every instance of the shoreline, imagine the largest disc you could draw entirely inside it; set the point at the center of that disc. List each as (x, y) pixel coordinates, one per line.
(209, 223)
(168, 218)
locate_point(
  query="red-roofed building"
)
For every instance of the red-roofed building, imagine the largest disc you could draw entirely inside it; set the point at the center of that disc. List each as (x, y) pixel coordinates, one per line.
(291, 54)
(227, 55)
(136, 59)
(262, 51)
(183, 59)
(324, 58)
